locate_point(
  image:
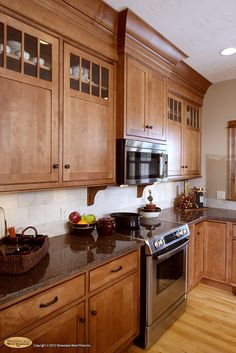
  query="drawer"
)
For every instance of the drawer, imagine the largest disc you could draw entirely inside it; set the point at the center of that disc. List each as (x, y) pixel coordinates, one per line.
(36, 307)
(115, 269)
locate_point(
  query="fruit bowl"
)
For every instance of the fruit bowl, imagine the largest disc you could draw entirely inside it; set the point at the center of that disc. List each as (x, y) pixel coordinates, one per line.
(82, 229)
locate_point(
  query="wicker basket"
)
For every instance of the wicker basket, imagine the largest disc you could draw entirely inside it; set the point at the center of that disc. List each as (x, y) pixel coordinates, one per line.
(20, 263)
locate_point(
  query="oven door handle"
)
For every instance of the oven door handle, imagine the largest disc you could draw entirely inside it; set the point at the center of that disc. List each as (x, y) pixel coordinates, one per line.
(172, 252)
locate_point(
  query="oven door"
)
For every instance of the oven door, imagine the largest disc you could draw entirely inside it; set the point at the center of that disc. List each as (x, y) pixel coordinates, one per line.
(166, 280)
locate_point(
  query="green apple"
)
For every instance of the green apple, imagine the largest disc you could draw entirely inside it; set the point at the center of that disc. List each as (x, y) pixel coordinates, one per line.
(90, 218)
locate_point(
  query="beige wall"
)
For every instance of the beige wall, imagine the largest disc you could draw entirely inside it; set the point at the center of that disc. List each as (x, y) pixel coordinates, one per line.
(219, 107)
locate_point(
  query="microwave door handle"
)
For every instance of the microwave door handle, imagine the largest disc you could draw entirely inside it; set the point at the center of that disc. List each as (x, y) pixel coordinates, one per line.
(161, 166)
(172, 252)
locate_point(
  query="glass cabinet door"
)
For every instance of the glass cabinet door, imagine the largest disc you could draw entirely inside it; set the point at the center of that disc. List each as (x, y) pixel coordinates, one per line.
(25, 53)
(193, 117)
(89, 77)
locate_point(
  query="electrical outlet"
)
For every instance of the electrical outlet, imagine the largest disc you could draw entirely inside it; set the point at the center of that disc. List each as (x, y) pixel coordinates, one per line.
(64, 214)
(220, 195)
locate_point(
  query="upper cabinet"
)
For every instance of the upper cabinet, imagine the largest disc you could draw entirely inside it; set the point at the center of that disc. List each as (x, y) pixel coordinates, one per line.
(57, 123)
(143, 68)
(88, 125)
(29, 105)
(184, 138)
(145, 102)
(186, 90)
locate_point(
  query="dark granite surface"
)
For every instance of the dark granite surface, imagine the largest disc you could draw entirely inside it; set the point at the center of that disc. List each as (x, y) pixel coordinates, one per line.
(68, 255)
(171, 214)
(71, 254)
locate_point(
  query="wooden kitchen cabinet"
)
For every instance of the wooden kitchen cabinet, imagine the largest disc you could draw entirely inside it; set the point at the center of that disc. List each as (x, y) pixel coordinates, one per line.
(29, 105)
(145, 102)
(184, 138)
(113, 316)
(67, 328)
(215, 251)
(195, 259)
(88, 128)
(104, 314)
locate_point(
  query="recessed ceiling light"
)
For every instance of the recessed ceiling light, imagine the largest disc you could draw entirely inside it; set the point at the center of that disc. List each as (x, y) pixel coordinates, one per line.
(228, 51)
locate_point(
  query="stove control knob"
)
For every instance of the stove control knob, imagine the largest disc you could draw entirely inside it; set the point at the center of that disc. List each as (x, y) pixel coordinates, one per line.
(184, 231)
(161, 242)
(177, 234)
(156, 244)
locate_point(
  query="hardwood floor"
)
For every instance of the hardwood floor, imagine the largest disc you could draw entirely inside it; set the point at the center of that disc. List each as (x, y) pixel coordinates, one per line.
(207, 326)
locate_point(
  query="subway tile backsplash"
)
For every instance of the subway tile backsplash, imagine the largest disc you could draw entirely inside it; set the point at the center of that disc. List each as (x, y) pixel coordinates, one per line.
(48, 210)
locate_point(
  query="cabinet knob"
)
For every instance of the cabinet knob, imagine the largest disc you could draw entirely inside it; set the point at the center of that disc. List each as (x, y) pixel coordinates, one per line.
(67, 166)
(185, 166)
(55, 166)
(82, 320)
(93, 312)
(182, 166)
(147, 126)
(150, 127)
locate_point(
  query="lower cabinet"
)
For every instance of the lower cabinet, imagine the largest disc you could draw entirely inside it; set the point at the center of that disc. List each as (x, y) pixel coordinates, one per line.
(195, 262)
(215, 251)
(105, 317)
(233, 258)
(113, 316)
(59, 333)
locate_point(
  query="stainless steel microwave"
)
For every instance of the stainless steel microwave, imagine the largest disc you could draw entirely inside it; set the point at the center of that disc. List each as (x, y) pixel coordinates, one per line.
(139, 162)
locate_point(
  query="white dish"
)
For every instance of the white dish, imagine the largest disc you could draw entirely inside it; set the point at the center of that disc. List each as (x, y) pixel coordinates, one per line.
(75, 70)
(26, 54)
(8, 49)
(14, 45)
(41, 61)
(149, 214)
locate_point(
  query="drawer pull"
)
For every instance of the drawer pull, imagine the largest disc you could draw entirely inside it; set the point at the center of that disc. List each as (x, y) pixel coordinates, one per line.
(82, 320)
(55, 300)
(93, 312)
(117, 269)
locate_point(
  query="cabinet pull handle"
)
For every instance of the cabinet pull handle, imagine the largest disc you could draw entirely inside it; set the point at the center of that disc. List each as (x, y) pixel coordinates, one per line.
(117, 269)
(82, 320)
(93, 312)
(150, 127)
(55, 300)
(55, 166)
(67, 166)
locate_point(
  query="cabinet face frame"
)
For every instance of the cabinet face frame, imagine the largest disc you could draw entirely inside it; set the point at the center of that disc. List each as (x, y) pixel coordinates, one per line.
(44, 141)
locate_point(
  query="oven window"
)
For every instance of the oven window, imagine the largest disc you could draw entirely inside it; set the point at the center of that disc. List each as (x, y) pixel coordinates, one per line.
(169, 271)
(142, 165)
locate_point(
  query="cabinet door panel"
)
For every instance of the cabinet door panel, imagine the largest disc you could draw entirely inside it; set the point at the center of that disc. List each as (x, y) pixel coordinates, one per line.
(192, 151)
(64, 329)
(157, 93)
(215, 239)
(198, 248)
(137, 93)
(88, 148)
(88, 129)
(191, 257)
(174, 148)
(111, 326)
(27, 134)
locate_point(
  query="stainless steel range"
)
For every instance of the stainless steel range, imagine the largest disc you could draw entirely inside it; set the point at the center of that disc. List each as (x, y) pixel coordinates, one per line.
(163, 276)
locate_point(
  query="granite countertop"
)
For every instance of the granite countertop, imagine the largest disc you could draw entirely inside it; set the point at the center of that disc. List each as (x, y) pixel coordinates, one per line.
(68, 255)
(173, 215)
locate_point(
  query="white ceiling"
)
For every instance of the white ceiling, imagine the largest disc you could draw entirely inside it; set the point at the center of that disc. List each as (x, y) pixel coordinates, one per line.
(200, 28)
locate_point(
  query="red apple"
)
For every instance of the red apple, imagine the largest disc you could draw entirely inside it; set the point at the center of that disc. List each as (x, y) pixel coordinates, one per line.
(74, 217)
